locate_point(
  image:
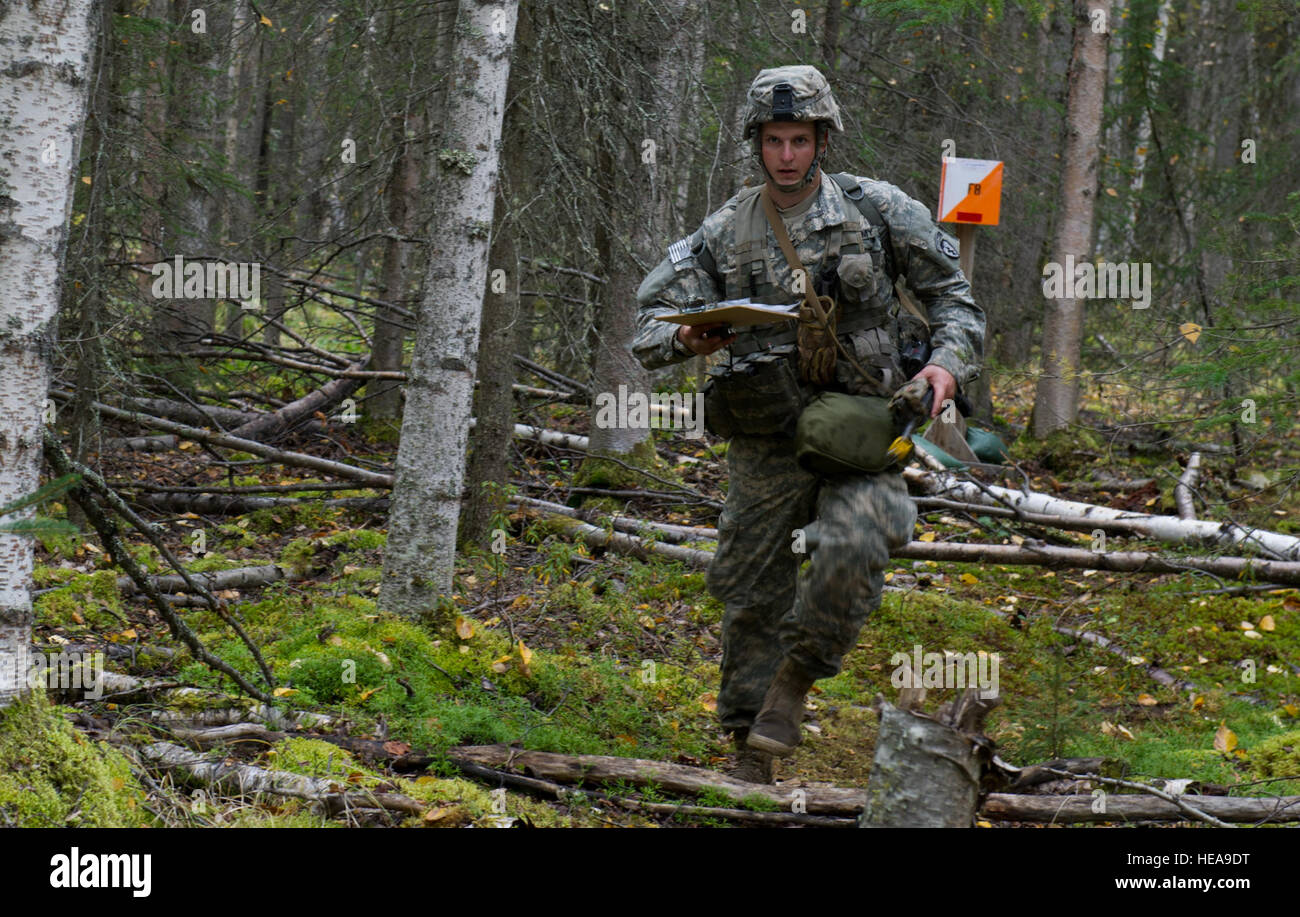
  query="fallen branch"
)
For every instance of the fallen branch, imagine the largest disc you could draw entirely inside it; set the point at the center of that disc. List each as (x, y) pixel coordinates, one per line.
(107, 531)
(226, 441)
(673, 533)
(250, 780)
(1253, 810)
(1166, 529)
(323, 398)
(674, 778)
(1271, 571)
(238, 578)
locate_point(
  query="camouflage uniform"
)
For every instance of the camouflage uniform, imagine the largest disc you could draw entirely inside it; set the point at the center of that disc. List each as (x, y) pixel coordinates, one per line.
(772, 609)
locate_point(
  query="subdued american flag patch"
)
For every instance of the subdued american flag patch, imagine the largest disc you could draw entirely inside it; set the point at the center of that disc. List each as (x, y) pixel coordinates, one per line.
(680, 250)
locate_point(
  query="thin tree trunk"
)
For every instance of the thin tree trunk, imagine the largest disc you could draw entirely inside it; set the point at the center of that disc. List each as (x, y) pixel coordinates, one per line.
(385, 401)
(45, 53)
(1056, 403)
(420, 557)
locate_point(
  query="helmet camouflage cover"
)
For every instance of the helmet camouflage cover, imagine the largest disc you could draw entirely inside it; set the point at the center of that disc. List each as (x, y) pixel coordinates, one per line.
(798, 93)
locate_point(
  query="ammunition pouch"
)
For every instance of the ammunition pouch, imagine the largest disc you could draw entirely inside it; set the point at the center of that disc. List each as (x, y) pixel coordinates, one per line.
(845, 434)
(760, 398)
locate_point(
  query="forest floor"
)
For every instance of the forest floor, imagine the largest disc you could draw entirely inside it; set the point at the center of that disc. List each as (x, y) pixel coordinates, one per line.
(552, 648)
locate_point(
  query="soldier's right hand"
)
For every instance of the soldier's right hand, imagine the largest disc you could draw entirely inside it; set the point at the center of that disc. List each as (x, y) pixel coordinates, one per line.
(692, 337)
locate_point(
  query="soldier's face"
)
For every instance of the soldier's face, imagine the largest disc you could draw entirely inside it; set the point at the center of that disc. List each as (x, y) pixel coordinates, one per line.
(788, 149)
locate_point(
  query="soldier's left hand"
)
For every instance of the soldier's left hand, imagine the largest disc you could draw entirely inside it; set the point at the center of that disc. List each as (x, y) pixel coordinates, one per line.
(943, 383)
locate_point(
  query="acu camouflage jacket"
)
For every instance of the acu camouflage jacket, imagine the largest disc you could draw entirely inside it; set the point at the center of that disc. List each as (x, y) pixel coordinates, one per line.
(733, 255)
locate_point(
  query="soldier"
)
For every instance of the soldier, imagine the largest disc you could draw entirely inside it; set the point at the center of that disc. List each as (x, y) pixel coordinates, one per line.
(783, 629)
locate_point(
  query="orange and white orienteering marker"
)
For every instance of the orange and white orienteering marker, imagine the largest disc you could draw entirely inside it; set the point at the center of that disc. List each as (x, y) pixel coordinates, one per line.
(970, 195)
(970, 191)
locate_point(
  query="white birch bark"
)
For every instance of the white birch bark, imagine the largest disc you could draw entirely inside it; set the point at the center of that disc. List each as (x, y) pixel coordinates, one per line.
(46, 53)
(1056, 403)
(421, 553)
(1142, 145)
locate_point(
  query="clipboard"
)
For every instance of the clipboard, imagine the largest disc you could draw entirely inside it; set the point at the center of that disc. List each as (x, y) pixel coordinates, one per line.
(738, 313)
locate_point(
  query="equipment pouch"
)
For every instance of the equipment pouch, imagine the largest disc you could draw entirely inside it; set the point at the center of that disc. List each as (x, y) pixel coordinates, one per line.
(761, 398)
(845, 434)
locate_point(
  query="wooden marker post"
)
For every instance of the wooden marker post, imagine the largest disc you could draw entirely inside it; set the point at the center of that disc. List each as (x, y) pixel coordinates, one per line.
(970, 195)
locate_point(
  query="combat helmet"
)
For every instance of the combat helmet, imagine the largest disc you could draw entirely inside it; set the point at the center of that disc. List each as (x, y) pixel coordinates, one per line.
(796, 93)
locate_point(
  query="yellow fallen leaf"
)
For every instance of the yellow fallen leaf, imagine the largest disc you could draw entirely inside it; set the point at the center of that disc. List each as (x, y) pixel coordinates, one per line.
(525, 657)
(709, 702)
(264, 20)
(128, 634)
(969, 579)
(1190, 330)
(1225, 740)
(983, 824)
(285, 692)
(927, 536)
(1146, 700)
(1266, 623)
(1291, 710)
(464, 627)
(365, 695)
(1198, 702)
(1291, 603)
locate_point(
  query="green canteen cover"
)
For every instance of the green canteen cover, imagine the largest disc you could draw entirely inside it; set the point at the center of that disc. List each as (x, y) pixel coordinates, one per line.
(845, 434)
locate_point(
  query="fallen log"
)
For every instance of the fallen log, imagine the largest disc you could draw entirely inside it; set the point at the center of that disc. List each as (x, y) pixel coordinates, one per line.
(673, 533)
(1168, 529)
(674, 778)
(164, 442)
(1271, 571)
(238, 578)
(250, 780)
(626, 544)
(283, 419)
(1125, 807)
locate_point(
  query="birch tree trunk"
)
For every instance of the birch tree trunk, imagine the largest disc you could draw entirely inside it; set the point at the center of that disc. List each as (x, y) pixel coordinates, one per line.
(45, 55)
(421, 553)
(503, 329)
(1056, 403)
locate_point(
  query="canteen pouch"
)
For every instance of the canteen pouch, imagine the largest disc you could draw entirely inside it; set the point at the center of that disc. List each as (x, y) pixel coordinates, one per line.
(759, 398)
(845, 434)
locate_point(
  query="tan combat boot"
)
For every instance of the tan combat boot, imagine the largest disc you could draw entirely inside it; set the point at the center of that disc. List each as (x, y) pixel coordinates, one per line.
(752, 765)
(776, 731)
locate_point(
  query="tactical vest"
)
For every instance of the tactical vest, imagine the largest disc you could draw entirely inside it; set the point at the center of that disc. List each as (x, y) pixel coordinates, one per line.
(753, 276)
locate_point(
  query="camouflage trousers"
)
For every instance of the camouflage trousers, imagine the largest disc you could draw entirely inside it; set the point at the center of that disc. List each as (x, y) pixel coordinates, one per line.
(774, 609)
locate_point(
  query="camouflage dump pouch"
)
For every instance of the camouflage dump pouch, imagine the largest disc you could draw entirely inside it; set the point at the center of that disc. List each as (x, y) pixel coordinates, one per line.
(845, 434)
(759, 398)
